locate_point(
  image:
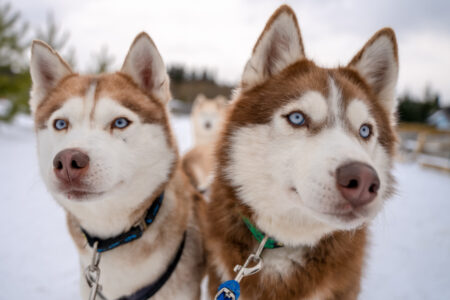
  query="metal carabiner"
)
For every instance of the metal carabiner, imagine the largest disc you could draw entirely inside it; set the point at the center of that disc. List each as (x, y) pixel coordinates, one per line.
(92, 275)
(230, 290)
(244, 270)
(256, 257)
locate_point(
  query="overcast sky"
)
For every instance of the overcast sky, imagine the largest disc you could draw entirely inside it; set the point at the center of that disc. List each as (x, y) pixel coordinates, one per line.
(219, 35)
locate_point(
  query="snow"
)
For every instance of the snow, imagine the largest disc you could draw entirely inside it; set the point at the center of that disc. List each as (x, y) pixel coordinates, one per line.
(409, 257)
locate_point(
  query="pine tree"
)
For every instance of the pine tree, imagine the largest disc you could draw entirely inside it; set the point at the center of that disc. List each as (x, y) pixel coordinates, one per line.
(101, 61)
(15, 81)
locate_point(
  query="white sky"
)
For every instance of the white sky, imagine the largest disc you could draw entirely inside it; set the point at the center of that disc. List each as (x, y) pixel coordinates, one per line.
(219, 35)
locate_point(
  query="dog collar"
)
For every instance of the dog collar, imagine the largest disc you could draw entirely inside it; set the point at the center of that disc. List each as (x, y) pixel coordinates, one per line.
(259, 235)
(134, 233)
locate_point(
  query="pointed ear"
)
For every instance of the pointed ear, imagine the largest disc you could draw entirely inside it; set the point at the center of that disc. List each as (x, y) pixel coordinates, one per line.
(47, 68)
(279, 45)
(146, 67)
(199, 99)
(221, 100)
(377, 63)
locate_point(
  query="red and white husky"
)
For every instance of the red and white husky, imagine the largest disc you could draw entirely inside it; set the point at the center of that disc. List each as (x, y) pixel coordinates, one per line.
(306, 156)
(108, 157)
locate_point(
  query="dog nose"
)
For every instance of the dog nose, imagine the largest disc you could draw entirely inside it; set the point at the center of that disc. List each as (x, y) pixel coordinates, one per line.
(208, 125)
(358, 183)
(70, 165)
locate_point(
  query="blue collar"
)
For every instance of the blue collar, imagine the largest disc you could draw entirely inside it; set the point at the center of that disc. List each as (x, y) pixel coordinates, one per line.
(133, 234)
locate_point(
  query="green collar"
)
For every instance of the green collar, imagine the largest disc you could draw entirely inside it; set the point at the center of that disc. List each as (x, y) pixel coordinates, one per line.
(259, 235)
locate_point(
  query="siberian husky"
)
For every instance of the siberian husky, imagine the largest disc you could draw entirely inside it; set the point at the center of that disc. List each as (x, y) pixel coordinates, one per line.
(108, 157)
(305, 158)
(206, 119)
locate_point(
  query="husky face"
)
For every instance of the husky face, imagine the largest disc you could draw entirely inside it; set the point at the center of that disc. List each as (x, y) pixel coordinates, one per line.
(207, 117)
(104, 142)
(310, 149)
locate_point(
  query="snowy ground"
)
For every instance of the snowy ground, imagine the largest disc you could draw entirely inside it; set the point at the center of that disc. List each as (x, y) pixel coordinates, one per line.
(409, 254)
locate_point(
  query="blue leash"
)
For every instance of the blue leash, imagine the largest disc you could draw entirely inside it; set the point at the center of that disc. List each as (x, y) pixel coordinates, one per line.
(231, 289)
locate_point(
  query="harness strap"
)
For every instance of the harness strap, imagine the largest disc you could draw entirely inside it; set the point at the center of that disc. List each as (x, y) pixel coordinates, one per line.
(134, 233)
(151, 289)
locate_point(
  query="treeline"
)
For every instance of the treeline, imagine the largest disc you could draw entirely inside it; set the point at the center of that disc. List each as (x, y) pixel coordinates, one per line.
(187, 84)
(15, 81)
(418, 109)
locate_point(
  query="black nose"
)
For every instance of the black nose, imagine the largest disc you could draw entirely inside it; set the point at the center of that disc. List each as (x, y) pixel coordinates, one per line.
(208, 125)
(357, 182)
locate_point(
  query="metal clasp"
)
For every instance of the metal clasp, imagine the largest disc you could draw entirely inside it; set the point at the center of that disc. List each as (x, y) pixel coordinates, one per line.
(232, 292)
(244, 270)
(92, 275)
(142, 224)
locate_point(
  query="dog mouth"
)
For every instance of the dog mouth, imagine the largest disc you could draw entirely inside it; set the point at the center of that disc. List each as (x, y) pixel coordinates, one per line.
(343, 211)
(80, 194)
(343, 215)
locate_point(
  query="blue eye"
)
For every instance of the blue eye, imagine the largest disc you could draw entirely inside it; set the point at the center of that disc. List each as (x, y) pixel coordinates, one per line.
(296, 118)
(120, 123)
(60, 124)
(365, 131)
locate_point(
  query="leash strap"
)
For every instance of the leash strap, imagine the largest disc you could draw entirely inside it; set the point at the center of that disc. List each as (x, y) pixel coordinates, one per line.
(150, 290)
(134, 233)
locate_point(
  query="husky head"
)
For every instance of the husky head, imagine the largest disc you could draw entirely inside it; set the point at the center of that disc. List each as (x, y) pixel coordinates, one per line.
(104, 142)
(307, 149)
(207, 117)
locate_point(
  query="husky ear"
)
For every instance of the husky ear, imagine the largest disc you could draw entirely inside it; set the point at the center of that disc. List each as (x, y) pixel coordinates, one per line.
(146, 67)
(279, 45)
(221, 100)
(377, 62)
(47, 68)
(199, 99)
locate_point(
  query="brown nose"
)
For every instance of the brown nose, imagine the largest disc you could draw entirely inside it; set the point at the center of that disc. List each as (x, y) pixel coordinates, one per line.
(358, 183)
(70, 165)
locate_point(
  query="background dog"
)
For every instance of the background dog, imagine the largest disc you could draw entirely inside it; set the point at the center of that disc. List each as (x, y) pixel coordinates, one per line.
(106, 152)
(306, 155)
(206, 118)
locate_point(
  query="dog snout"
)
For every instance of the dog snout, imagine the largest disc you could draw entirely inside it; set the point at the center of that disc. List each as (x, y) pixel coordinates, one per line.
(70, 165)
(357, 182)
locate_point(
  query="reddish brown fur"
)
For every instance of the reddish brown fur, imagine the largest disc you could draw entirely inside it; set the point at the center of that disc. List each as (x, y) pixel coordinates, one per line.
(199, 157)
(384, 31)
(282, 9)
(69, 86)
(334, 266)
(117, 86)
